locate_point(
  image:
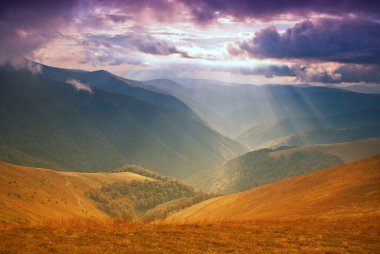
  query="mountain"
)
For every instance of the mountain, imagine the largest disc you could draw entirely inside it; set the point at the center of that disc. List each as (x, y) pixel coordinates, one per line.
(35, 195)
(77, 127)
(327, 136)
(109, 82)
(259, 135)
(266, 166)
(350, 190)
(374, 89)
(347, 151)
(233, 109)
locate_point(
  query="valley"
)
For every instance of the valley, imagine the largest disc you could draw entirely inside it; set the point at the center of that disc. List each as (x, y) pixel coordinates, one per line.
(316, 212)
(35, 195)
(76, 147)
(189, 126)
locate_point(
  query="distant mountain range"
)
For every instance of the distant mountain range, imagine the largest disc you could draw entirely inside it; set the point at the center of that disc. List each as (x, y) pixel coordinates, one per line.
(257, 114)
(369, 89)
(96, 121)
(327, 136)
(339, 128)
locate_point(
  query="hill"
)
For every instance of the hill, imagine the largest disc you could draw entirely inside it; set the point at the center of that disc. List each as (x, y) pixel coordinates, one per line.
(269, 165)
(347, 151)
(76, 127)
(347, 190)
(34, 195)
(257, 168)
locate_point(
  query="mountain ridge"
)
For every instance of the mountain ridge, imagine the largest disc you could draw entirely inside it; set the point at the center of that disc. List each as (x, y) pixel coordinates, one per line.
(79, 130)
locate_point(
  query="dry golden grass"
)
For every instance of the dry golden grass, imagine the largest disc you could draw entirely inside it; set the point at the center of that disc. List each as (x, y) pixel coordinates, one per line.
(328, 211)
(347, 190)
(270, 236)
(31, 194)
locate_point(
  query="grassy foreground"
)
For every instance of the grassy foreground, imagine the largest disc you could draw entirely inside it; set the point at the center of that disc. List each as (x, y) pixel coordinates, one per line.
(296, 236)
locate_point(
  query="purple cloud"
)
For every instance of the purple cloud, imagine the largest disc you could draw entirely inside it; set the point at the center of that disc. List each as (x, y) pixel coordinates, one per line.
(206, 10)
(144, 43)
(28, 25)
(347, 41)
(347, 73)
(269, 71)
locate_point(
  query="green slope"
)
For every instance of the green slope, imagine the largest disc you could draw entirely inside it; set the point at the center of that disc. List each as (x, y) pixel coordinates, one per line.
(268, 165)
(78, 130)
(257, 168)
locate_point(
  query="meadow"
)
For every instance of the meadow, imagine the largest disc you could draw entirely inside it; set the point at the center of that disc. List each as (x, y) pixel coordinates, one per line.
(348, 235)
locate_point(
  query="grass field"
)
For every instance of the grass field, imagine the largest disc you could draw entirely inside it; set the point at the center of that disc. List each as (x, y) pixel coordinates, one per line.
(349, 190)
(33, 194)
(291, 236)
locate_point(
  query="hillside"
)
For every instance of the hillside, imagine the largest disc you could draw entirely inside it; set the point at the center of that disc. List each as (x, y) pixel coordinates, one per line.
(347, 151)
(34, 194)
(269, 165)
(51, 123)
(257, 168)
(347, 190)
(109, 82)
(326, 136)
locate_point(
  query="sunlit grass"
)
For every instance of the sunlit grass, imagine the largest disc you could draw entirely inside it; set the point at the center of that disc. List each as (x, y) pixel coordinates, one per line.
(281, 236)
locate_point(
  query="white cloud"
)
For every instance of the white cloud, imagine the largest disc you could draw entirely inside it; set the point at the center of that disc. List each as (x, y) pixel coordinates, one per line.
(79, 86)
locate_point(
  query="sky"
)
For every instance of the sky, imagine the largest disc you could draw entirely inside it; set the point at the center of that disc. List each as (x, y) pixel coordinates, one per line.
(320, 42)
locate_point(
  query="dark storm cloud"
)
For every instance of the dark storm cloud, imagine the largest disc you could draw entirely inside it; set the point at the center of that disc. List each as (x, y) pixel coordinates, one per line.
(346, 73)
(347, 41)
(269, 71)
(28, 25)
(359, 73)
(206, 10)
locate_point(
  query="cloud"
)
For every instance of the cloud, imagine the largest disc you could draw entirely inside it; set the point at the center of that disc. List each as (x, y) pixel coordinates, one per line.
(26, 26)
(269, 71)
(141, 42)
(204, 11)
(351, 40)
(29, 25)
(79, 86)
(346, 73)
(100, 56)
